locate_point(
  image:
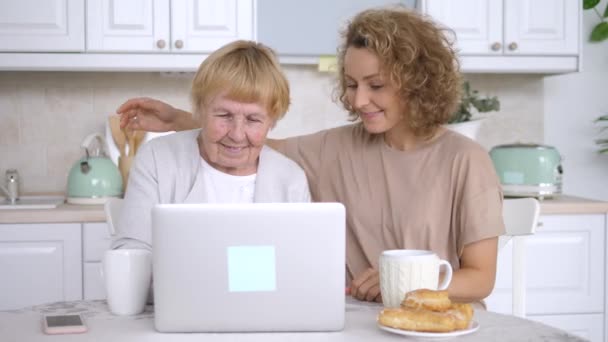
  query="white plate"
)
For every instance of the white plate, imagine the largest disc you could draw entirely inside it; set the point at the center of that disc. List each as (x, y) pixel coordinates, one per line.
(473, 327)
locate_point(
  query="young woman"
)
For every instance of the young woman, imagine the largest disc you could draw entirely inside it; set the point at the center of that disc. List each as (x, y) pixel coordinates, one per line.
(406, 181)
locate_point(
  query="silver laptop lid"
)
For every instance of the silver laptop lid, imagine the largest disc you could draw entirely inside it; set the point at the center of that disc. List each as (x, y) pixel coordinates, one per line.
(249, 267)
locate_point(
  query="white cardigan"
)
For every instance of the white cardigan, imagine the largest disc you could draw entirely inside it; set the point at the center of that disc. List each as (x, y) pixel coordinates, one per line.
(168, 170)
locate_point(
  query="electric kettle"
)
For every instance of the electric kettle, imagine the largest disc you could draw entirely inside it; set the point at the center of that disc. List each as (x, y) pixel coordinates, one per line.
(528, 170)
(94, 178)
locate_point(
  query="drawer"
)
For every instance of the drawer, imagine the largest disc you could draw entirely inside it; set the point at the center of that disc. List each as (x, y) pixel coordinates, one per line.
(96, 240)
(94, 287)
(589, 327)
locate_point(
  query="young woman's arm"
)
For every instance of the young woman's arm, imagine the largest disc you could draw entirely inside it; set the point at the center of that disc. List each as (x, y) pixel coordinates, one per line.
(475, 279)
(143, 113)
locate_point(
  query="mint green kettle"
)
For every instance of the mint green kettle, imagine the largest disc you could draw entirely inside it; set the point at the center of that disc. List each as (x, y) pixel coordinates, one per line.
(94, 178)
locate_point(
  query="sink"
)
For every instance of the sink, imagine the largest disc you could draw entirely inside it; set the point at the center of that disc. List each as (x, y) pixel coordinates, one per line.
(32, 202)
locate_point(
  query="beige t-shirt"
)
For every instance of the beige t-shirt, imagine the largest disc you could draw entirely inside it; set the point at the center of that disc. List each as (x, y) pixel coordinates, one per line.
(440, 196)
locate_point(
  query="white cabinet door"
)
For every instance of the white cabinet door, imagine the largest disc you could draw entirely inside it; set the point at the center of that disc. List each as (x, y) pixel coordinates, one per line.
(541, 27)
(39, 263)
(167, 25)
(42, 25)
(206, 25)
(564, 269)
(476, 23)
(134, 25)
(589, 327)
(95, 240)
(510, 27)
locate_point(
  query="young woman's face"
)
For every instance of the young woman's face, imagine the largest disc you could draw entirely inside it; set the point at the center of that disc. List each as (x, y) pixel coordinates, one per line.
(233, 134)
(369, 92)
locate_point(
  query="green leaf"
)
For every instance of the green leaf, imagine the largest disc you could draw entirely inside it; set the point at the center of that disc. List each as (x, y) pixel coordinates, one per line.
(606, 12)
(600, 32)
(602, 118)
(589, 4)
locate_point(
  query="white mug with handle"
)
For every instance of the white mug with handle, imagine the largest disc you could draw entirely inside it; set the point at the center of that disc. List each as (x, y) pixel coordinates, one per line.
(405, 270)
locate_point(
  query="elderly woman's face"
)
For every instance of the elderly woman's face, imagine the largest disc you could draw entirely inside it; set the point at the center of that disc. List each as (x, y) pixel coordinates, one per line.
(233, 134)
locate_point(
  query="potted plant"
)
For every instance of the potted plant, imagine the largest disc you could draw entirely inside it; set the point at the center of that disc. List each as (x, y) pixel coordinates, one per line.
(602, 142)
(466, 119)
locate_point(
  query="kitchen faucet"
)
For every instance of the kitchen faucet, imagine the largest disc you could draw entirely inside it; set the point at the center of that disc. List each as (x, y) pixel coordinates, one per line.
(12, 186)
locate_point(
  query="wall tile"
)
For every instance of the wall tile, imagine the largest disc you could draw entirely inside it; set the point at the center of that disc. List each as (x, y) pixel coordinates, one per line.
(44, 116)
(9, 116)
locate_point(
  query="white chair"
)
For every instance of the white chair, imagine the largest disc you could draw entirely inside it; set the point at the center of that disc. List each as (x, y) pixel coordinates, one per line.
(521, 218)
(112, 209)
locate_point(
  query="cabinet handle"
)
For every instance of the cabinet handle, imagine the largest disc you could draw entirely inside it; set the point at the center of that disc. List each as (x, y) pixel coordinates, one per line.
(161, 44)
(513, 46)
(496, 46)
(179, 44)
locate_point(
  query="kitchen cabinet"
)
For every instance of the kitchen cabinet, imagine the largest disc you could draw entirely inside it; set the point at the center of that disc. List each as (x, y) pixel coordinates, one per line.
(40, 263)
(167, 26)
(497, 36)
(95, 241)
(565, 274)
(48, 25)
(527, 34)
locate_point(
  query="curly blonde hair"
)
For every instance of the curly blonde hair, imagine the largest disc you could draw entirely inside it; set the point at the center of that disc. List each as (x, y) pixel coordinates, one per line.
(248, 71)
(415, 54)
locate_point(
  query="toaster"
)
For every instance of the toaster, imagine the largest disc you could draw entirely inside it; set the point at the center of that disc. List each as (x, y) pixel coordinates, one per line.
(528, 170)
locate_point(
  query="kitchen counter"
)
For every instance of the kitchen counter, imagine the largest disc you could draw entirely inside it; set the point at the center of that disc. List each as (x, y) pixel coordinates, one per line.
(94, 213)
(63, 213)
(566, 204)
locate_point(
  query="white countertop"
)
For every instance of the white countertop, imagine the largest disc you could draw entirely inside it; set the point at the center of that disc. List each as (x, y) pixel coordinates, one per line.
(360, 325)
(94, 213)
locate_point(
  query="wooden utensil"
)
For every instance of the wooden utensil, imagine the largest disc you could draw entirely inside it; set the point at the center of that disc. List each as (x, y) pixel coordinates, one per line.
(138, 139)
(131, 141)
(117, 135)
(124, 165)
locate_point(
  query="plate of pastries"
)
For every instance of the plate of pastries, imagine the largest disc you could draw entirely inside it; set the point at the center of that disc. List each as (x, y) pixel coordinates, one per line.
(428, 314)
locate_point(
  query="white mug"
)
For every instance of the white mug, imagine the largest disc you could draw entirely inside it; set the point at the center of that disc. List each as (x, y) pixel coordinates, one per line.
(405, 270)
(127, 275)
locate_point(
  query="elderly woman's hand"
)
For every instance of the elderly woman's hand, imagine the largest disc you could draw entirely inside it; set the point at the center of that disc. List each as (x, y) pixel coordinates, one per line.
(366, 286)
(146, 114)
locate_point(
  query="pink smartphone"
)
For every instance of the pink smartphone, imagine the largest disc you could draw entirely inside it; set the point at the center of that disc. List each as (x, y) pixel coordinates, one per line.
(63, 324)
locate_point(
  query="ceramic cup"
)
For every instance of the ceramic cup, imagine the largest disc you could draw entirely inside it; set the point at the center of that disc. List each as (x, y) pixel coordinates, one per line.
(127, 275)
(405, 270)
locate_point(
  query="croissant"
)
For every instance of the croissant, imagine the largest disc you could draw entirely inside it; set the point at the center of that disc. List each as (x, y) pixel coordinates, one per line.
(428, 311)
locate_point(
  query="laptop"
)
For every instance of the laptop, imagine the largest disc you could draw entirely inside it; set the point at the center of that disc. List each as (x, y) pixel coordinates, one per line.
(258, 267)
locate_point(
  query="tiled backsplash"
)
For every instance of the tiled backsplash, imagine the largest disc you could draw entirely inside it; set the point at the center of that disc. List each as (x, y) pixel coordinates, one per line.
(45, 115)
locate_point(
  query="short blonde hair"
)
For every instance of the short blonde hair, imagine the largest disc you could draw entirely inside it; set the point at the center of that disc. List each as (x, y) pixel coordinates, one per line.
(417, 57)
(248, 72)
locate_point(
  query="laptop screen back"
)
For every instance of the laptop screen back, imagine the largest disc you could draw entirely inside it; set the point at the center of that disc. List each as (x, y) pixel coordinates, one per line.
(249, 267)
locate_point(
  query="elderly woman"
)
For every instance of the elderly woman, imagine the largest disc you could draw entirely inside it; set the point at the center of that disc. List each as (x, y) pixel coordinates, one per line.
(238, 94)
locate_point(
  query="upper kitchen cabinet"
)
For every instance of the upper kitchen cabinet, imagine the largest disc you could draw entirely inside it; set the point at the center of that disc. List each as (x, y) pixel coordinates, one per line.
(48, 25)
(512, 35)
(304, 30)
(167, 26)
